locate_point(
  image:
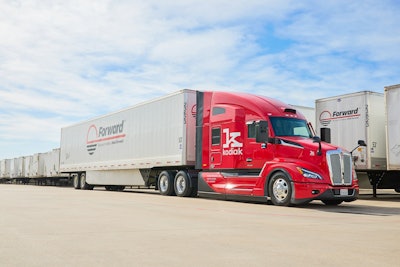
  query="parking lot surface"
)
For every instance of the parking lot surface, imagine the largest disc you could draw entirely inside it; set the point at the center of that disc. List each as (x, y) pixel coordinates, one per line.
(60, 226)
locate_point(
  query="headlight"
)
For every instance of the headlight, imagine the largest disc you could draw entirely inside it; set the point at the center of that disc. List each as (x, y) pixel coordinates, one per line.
(309, 174)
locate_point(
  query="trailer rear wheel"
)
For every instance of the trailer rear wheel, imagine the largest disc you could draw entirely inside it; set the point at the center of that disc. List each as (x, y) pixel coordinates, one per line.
(83, 184)
(280, 189)
(182, 184)
(166, 183)
(76, 181)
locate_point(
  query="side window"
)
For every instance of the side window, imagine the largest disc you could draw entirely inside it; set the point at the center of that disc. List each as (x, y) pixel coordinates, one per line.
(216, 136)
(218, 111)
(251, 130)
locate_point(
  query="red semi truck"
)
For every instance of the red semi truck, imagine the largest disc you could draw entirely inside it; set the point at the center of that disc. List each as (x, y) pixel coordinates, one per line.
(211, 144)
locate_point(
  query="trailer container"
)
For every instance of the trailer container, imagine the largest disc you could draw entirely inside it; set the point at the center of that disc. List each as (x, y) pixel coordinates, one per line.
(36, 169)
(348, 119)
(5, 169)
(17, 168)
(27, 165)
(308, 112)
(392, 101)
(353, 117)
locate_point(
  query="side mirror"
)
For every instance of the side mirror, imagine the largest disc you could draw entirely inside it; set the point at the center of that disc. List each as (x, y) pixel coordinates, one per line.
(262, 132)
(316, 139)
(361, 143)
(326, 135)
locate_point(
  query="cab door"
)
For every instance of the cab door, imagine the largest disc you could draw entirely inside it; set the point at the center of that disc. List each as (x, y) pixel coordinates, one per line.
(216, 147)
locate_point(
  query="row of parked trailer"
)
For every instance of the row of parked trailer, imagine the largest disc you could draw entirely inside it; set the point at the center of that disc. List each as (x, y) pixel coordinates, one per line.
(40, 168)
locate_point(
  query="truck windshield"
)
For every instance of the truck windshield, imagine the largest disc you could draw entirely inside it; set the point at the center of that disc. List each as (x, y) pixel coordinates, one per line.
(290, 127)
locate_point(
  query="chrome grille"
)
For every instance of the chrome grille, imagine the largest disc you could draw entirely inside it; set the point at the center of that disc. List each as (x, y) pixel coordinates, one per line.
(340, 167)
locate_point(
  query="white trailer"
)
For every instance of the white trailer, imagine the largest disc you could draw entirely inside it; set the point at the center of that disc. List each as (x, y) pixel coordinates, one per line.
(126, 147)
(392, 101)
(308, 112)
(2, 168)
(17, 168)
(346, 119)
(5, 169)
(13, 168)
(36, 168)
(52, 165)
(27, 165)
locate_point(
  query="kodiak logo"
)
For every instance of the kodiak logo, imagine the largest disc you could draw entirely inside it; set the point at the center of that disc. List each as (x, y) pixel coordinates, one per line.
(104, 135)
(232, 146)
(326, 116)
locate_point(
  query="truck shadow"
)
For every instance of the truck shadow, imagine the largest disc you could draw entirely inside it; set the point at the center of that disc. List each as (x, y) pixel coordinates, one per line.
(355, 208)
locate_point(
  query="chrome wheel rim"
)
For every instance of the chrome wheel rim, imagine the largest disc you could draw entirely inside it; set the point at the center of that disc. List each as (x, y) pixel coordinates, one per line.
(163, 183)
(180, 184)
(280, 189)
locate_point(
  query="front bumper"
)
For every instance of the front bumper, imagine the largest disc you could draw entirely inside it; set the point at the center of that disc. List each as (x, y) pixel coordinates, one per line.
(306, 192)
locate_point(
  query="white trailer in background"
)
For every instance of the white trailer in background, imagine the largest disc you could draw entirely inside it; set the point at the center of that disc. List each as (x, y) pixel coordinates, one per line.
(347, 119)
(308, 112)
(18, 170)
(27, 165)
(51, 167)
(392, 103)
(5, 168)
(36, 169)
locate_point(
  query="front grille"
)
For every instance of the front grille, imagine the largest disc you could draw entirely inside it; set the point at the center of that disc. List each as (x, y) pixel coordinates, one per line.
(340, 167)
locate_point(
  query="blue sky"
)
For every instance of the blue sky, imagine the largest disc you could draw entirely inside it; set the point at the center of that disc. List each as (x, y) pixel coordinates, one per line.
(62, 62)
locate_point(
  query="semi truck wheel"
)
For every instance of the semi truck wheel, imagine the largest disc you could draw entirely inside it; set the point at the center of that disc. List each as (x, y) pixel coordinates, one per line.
(83, 184)
(182, 184)
(76, 181)
(166, 183)
(280, 189)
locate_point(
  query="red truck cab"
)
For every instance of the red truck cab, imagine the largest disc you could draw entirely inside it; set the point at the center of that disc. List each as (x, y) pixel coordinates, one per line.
(258, 148)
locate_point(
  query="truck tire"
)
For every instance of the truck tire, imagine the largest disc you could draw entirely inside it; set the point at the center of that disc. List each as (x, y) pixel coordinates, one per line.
(182, 184)
(83, 184)
(397, 190)
(280, 189)
(166, 183)
(76, 181)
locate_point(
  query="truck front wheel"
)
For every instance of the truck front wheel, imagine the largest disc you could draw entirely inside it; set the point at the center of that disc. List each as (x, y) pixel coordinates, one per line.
(166, 183)
(280, 189)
